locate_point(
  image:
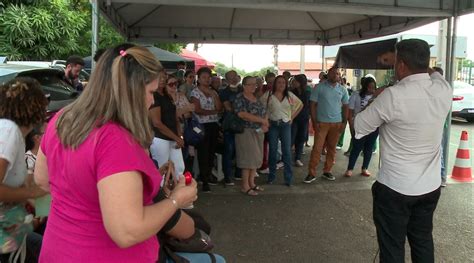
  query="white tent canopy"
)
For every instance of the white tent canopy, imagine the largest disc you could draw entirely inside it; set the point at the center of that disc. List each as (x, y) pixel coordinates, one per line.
(309, 22)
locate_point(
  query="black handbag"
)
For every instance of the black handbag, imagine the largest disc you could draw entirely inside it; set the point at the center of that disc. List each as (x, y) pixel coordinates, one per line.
(200, 242)
(232, 123)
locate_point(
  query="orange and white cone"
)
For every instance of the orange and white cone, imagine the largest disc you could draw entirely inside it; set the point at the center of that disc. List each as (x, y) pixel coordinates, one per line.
(462, 170)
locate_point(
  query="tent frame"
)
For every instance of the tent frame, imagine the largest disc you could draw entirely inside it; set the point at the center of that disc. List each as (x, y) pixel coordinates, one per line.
(322, 36)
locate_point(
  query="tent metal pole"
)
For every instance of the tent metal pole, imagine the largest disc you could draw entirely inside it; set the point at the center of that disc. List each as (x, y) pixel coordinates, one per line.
(95, 30)
(452, 57)
(448, 50)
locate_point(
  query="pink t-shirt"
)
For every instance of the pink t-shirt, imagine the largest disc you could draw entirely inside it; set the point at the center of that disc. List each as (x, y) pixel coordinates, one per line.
(75, 230)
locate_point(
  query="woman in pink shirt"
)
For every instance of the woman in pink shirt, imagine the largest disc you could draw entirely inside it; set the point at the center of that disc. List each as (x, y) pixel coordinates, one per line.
(93, 160)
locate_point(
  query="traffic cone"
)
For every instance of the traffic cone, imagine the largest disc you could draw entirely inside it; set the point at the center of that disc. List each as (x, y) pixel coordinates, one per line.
(462, 167)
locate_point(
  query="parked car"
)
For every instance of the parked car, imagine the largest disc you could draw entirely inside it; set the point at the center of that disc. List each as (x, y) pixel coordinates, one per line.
(463, 101)
(57, 64)
(59, 92)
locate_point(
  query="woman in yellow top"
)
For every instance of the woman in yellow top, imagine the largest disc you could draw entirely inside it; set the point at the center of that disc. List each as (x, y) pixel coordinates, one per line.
(282, 107)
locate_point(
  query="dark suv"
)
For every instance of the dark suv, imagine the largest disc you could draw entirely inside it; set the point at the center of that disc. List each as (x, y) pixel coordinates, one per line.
(51, 80)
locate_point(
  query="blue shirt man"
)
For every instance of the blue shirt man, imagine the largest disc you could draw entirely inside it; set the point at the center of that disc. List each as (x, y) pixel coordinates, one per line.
(329, 101)
(329, 109)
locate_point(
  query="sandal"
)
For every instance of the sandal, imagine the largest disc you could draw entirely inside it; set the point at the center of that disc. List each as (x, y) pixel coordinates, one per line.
(258, 188)
(348, 173)
(250, 192)
(365, 173)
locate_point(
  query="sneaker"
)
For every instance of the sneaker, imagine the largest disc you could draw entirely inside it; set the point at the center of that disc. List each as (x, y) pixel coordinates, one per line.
(256, 174)
(265, 171)
(338, 147)
(329, 176)
(206, 188)
(309, 179)
(299, 163)
(444, 184)
(280, 165)
(303, 153)
(213, 181)
(228, 182)
(238, 178)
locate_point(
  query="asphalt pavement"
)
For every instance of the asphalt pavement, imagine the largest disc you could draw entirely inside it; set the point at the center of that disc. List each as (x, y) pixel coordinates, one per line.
(328, 221)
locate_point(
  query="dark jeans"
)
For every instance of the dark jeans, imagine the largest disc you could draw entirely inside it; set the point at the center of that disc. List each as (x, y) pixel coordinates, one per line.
(365, 144)
(229, 155)
(280, 131)
(398, 216)
(206, 151)
(299, 131)
(33, 248)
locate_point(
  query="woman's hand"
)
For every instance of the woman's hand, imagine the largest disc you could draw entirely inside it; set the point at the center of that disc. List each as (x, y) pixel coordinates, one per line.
(179, 142)
(184, 194)
(190, 107)
(36, 191)
(265, 122)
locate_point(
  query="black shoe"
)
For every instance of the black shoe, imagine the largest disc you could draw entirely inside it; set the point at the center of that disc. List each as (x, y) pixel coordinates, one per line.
(228, 182)
(238, 178)
(309, 179)
(206, 188)
(329, 176)
(213, 181)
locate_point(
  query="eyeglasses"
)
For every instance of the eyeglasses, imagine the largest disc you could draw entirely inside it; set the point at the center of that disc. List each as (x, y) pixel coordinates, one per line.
(172, 84)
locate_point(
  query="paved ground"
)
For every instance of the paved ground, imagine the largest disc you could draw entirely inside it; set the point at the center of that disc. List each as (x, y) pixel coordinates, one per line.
(327, 221)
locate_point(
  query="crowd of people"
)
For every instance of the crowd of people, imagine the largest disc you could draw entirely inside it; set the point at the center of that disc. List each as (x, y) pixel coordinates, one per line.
(99, 157)
(276, 112)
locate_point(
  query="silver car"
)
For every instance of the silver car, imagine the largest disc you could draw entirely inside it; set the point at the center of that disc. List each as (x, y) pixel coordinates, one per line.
(463, 101)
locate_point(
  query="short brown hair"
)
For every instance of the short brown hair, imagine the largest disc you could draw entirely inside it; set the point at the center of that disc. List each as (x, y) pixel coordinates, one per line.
(23, 102)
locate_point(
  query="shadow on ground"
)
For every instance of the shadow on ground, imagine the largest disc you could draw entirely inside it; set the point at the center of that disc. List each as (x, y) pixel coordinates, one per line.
(324, 221)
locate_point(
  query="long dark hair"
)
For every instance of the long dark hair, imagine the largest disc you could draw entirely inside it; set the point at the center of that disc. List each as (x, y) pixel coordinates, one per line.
(365, 85)
(285, 92)
(302, 80)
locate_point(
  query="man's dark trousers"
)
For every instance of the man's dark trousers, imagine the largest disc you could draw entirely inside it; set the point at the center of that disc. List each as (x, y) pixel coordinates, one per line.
(398, 216)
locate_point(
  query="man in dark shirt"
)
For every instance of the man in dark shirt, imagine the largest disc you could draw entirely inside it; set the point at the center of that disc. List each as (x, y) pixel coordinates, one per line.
(227, 96)
(74, 65)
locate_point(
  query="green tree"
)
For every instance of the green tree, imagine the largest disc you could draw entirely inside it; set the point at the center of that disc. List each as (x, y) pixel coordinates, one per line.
(56, 29)
(41, 31)
(175, 48)
(221, 69)
(263, 71)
